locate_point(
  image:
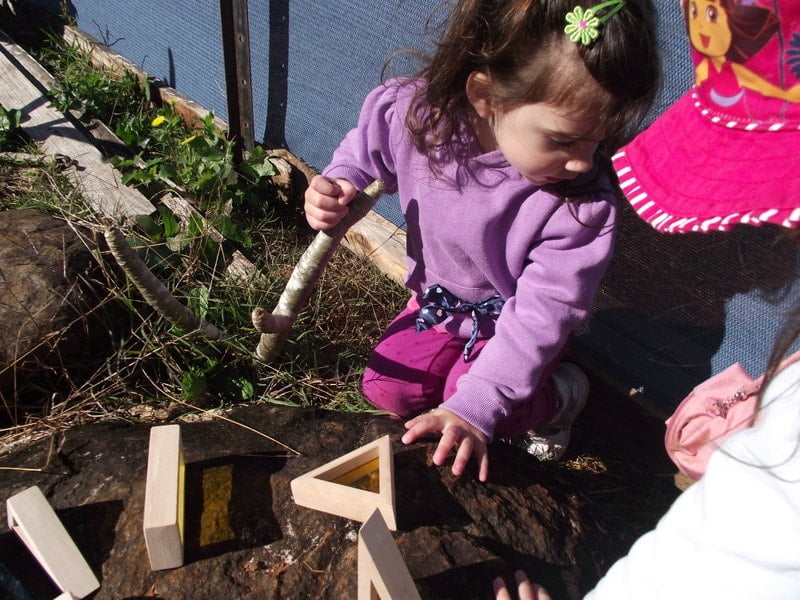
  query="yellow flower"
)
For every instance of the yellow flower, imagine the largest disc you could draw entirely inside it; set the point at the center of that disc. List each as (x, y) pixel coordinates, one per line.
(188, 140)
(158, 120)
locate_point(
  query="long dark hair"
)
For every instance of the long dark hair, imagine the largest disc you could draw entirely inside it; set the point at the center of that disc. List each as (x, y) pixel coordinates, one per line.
(520, 44)
(788, 336)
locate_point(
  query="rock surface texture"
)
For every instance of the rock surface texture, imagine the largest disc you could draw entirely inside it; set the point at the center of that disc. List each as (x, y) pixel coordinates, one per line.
(50, 313)
(245, 538)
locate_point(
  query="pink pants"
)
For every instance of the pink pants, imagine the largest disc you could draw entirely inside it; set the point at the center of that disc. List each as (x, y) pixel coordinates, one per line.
(410, 373)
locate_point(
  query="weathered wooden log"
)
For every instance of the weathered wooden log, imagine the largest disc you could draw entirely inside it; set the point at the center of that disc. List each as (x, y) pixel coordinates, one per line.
(274, 326)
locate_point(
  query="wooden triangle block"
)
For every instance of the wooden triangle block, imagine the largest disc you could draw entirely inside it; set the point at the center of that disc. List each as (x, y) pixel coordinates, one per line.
(382, 572)
(32, 518)
(164, 498)
(353, 485)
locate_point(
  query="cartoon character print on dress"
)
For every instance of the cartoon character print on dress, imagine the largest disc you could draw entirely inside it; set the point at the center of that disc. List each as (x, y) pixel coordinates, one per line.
(729, 40)
(724, 153)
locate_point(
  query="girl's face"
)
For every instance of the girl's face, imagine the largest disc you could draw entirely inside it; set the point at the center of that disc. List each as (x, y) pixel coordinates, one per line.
(544, 143)
(708, 27)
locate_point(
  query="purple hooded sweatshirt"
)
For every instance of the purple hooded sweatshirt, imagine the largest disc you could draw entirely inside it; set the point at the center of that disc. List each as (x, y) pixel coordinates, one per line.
(493, 233)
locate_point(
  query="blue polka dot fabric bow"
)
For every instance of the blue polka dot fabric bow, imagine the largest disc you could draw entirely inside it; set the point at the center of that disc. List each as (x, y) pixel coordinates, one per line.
(439, 303)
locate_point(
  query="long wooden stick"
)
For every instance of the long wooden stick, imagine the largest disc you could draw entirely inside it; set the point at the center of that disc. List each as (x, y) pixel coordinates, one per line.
(154, 292)
(274, 326)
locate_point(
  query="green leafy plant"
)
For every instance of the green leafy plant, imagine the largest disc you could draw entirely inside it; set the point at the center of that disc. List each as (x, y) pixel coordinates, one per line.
(199, 161)
(10, 121)
(86, 89)
(157, 361)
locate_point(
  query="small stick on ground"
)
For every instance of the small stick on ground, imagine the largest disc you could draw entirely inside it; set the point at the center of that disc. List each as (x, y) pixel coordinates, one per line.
(274, 326)
(23, 159)
(222, 417)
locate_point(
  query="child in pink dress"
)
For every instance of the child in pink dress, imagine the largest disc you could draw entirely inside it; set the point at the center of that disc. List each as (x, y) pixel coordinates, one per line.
(496, 150)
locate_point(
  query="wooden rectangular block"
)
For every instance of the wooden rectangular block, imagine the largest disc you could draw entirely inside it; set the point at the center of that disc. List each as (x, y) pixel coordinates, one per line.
(164, 498)
(32, 518)
(382, 572)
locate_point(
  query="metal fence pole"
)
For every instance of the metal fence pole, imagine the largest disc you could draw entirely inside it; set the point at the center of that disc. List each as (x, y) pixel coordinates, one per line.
(236, 51)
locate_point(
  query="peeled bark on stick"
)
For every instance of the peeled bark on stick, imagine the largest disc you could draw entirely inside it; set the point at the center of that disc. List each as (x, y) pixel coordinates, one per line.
(274, 327)
(154, 292)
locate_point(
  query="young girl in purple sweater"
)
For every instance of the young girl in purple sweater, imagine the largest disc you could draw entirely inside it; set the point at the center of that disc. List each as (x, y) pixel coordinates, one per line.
(497, 150)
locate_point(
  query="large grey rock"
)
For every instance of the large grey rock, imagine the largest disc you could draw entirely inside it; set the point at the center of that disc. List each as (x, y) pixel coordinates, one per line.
(246, 539)
(50, 330)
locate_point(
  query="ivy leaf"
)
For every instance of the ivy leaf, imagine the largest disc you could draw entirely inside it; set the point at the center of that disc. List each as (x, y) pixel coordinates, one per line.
(193, 384)
(198, 300)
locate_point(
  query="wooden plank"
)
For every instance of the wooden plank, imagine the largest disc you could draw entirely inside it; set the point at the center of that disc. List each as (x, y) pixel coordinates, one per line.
(164, 498)
(330, 488)
(35, 70)
(54, 133)
(382, 242)
(382, 572)
(32, 518)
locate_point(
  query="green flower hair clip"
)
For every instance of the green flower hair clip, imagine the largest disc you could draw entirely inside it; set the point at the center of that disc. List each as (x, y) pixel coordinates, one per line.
(583, 26)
